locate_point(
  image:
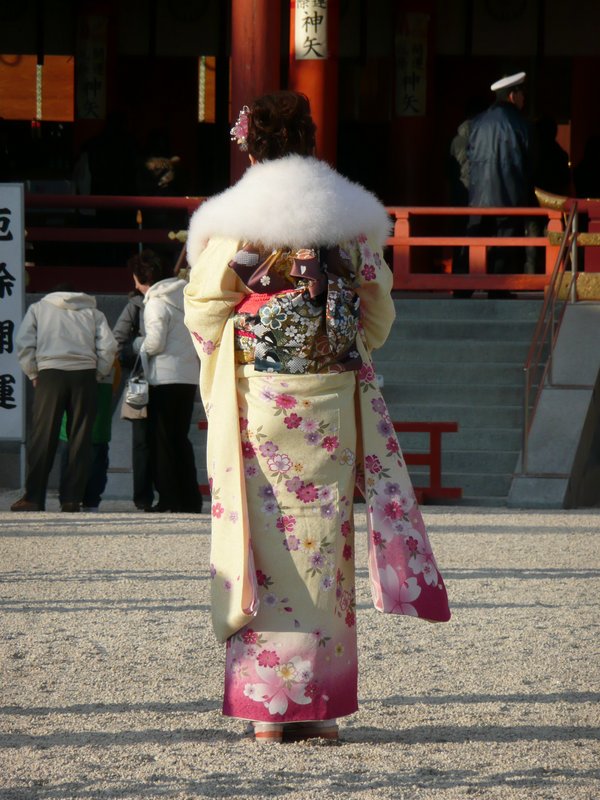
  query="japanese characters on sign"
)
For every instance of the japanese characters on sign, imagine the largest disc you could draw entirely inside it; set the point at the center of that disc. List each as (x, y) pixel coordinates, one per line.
(311, 30)
(12, 397)
(411, 65)
(90, 68)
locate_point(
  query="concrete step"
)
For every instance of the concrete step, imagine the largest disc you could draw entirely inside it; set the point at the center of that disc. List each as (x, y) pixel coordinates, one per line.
(472, 308)
(457, 360)
(464, 330)
(482, 372)
(470, 439)
(475, 461)
(474, 501)
(453, 394)
(472, 484)
(448, 352)
(467, 416)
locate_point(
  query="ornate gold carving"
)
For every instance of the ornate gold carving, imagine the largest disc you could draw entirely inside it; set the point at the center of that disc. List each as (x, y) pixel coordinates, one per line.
(588, 286)
(555, 238)
(587, 239)
(549, 200)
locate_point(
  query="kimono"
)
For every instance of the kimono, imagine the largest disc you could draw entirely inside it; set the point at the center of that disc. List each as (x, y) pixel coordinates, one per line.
(288, 294)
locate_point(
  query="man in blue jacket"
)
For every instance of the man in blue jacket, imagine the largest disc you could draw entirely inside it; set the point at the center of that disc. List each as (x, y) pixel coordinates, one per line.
(500, 170)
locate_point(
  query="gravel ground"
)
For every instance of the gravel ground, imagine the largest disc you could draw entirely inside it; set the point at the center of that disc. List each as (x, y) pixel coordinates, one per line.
(111, 679)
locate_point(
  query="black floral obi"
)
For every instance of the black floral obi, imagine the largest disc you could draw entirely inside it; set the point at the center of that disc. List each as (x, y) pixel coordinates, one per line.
(302, 314)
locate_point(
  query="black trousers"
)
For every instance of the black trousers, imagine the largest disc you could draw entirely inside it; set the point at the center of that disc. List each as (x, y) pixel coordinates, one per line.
(57, 392)
(141, 459)
(97, 474)
(174, 468)
(501, 260)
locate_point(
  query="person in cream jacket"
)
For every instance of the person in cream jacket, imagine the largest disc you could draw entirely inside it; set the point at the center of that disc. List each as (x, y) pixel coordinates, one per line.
(65, 348)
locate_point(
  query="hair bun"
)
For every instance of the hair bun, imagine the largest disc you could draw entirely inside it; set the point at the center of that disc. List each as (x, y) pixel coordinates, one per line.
(280, 124)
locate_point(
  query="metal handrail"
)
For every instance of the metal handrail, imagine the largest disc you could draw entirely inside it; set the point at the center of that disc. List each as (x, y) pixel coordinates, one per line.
(546, 329)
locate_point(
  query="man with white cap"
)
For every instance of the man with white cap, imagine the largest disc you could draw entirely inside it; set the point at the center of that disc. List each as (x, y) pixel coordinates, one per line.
(500, 170)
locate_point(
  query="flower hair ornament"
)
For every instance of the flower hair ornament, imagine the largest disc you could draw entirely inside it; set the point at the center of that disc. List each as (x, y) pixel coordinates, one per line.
(239, 132)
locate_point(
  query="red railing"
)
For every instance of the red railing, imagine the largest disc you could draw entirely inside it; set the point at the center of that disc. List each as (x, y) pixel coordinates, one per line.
(112, 202)
(431, 458)
(412, 272)
(404, 242)
(62, 218)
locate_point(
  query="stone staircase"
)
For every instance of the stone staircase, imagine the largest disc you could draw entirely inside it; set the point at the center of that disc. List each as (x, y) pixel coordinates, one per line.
(448, 360)
(461, 361)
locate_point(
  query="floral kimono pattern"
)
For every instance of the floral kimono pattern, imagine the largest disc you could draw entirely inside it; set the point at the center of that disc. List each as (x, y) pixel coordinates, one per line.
(284, 454)
(297, 658)
(403, 572)
(305, 316)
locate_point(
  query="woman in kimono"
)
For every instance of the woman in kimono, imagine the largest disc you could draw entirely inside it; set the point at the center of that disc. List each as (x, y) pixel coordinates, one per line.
(288, 294)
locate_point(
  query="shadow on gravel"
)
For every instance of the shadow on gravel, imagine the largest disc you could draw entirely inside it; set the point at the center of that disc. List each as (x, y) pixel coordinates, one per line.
(99, 575)
(197, 707)
(121, 738)
(55, 525)
(126, 605)
(509, 528)
(278, 783)
(418, 735)
(527, 573)
(440, 734)
(467, 699)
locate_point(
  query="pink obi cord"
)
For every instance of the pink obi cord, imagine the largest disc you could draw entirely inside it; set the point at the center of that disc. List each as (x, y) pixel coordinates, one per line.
(252, 302)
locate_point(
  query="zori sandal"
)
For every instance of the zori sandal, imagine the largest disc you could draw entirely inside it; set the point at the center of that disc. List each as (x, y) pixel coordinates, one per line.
(268, 732)
(317, 729)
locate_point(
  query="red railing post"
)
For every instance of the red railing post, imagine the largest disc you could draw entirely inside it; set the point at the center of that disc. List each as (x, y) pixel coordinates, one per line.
(432, 458)
(435, 468)
(477, 260)
(555, 225)
(401, 253)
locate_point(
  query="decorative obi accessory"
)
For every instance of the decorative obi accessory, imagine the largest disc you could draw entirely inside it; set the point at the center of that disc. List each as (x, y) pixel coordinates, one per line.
(239, 132)
(309, 266)
(253, 302)
(307, 329)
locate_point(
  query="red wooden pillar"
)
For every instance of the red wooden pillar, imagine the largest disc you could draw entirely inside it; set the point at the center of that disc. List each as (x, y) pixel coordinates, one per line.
(255, 61)
(411, 169)
(585, 121)
(313, 69)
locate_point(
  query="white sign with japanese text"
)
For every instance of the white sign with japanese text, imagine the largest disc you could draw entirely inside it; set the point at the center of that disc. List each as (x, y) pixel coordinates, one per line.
(12, 305)
(310, 22)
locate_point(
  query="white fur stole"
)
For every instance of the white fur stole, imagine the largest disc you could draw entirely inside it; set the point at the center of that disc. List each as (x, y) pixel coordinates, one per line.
(289, 202)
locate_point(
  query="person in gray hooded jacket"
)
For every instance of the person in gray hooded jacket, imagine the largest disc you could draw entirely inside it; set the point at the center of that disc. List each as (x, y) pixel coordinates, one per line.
(65, 347)
(128, 327)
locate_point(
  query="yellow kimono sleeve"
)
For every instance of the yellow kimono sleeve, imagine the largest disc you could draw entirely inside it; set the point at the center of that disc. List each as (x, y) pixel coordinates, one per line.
(374, 288)
(210, 296)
